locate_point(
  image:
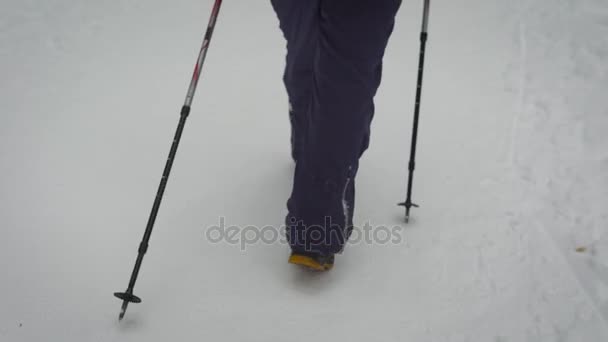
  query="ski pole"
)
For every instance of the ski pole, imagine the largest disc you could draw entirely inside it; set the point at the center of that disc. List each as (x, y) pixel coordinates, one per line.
(412, 163)
(128, 296)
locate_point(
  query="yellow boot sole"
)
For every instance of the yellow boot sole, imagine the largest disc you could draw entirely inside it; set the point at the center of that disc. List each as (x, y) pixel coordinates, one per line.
(308, 262)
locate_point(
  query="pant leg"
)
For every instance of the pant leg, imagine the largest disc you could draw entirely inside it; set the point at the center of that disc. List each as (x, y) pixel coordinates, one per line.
(299, 23)
(347, 68)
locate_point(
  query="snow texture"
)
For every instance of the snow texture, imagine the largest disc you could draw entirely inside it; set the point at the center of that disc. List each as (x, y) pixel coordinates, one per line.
(510, 244)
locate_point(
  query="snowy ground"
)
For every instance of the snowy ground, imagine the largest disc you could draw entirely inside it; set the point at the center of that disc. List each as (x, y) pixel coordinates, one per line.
(511, 242)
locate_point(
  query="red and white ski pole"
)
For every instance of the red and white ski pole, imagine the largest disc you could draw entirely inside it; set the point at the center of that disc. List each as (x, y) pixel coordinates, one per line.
(128, 296)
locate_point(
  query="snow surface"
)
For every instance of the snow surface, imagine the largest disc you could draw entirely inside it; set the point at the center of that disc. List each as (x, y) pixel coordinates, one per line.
(510, 244)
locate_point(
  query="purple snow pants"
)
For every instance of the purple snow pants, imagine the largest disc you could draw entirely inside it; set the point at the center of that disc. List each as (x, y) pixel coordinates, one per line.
(334, 66)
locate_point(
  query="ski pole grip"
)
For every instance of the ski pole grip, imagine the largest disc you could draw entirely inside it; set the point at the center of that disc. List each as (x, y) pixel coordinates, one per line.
(425, 15)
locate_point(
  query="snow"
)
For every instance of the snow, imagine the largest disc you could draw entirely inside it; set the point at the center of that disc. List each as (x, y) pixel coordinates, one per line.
(510, 242)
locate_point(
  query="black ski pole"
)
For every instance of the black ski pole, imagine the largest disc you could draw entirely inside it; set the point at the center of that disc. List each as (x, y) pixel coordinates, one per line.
(412, 163)
(128, 296)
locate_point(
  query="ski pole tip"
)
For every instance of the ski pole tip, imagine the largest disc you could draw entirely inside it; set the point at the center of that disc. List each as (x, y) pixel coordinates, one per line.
(127, 297)
(408, 205)
(123, 310)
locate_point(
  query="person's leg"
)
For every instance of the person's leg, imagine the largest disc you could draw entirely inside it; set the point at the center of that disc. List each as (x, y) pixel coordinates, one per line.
(353, 35)
(299, 23)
